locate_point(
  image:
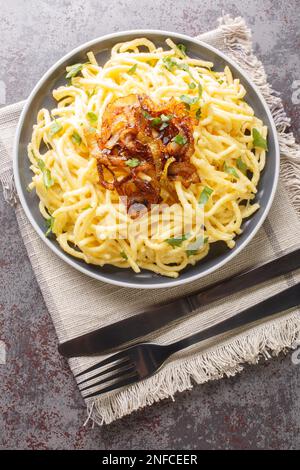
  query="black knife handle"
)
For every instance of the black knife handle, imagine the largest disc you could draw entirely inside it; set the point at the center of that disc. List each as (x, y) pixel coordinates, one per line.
(277, 267)
(285, 300)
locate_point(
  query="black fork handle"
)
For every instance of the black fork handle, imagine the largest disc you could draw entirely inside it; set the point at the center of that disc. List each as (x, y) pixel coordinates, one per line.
(286, 299)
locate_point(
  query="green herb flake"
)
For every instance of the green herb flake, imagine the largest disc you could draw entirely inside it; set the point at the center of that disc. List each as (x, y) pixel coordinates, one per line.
(180, 139)
(49, 225)
(194, 247)
(198, 113)
(162, 121)
(259, 140)
(76, 139)
(133, 162)
(184, 66)
(166, 118)
(192, 86)
(123, 254)
(47, 179)
(241, 165)
(92, 116)
(41, 165)
(73, 70)
(182, 48)
(191, 252)
(28, 189)
(146, 114)
(165, 121)
(205, 195)
(155, 122)
(169, 63)
(230, 170)
(55, 128)
(91, 93)
(177, 241)
(132, 69)
(200, 90)
(187, 99)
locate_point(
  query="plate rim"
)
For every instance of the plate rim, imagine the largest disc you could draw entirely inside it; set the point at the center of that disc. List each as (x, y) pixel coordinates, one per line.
(98, 276)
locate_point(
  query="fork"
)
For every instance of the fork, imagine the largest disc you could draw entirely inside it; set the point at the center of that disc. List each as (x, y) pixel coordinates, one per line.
(142, 360)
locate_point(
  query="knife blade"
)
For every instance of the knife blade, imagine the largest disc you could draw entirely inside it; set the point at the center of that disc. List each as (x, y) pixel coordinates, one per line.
(110, 337)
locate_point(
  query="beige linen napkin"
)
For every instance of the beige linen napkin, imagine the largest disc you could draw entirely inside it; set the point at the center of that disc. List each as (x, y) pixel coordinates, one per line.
(79, 304)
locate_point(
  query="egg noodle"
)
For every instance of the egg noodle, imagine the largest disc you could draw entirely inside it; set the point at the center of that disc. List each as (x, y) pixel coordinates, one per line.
(230, 148)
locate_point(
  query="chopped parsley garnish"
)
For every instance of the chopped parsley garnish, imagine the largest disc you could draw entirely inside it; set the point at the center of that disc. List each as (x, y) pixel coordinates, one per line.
(180, 139)
(200, 90)
(155, 122)
(191, 252)
(91, 93)
(49, 225)
(132, 69)
(73, 70)
(184, 66)
(205, 195)
(198, 113)
(187, 99)
(133, 162)
(230, 170)
(48, 181)
(146, 114)
(259, 140)
(55, 128)
(177, 241)
(166, 118)
(162, 121)
(169, 63)
(123, 254)
(92, 116)
(194, 247)
(182, 48)
(241, 165)
(76, 138)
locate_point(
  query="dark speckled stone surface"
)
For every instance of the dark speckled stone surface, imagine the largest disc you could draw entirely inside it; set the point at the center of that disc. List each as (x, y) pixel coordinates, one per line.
(40, 406)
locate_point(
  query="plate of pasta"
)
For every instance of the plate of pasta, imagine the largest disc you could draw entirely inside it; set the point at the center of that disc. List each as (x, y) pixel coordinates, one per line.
(146, 159)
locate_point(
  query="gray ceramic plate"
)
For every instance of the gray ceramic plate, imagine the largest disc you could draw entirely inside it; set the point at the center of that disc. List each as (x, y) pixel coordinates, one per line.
(41, 96)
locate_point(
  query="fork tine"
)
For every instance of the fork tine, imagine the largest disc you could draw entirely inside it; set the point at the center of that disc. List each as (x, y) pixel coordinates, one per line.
(121, 383)
(108, 360)
(118, 375)
(117, 366)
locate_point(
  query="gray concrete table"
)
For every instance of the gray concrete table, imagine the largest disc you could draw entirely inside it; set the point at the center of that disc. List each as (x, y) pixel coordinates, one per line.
(40, 406)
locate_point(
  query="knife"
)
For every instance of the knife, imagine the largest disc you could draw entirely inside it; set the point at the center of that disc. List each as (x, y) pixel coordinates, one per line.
(110, 337)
